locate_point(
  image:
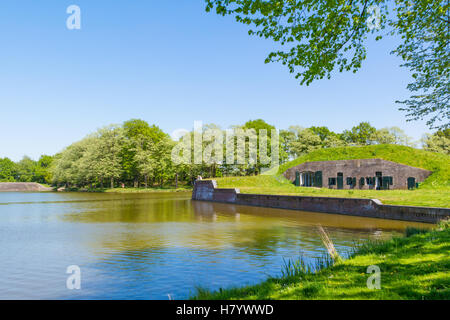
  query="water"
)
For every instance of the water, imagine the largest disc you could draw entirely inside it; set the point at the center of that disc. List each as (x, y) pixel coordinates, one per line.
(150, 246)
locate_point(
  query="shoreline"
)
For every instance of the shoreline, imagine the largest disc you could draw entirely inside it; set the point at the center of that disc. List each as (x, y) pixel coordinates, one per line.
(413, 267)
(128, 190)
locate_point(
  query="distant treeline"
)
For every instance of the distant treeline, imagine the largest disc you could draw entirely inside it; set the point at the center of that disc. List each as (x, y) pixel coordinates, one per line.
(136, 154)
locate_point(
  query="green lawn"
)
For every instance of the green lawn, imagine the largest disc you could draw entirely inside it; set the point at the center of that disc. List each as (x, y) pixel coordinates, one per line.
(140, 190)
(415, 267)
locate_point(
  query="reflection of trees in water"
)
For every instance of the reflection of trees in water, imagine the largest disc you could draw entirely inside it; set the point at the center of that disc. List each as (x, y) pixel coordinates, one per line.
(153, 221)
(137, 211)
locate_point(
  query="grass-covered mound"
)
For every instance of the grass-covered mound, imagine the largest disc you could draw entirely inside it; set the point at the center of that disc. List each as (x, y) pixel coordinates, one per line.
(434, 192)
(415, 267)
(436, 162)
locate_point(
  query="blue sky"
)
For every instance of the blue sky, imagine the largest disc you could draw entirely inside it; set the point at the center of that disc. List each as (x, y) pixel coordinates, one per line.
(169, 63)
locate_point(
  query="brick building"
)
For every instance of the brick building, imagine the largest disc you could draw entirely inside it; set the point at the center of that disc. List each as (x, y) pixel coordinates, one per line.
(356, 174)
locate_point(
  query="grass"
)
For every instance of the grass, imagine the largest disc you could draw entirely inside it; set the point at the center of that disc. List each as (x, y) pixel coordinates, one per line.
(433, 192)
(436, 162)
(414, 267)
(168, 188)
(142, 190)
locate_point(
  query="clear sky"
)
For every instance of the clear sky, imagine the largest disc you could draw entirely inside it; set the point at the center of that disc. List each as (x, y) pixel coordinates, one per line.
(169, 63)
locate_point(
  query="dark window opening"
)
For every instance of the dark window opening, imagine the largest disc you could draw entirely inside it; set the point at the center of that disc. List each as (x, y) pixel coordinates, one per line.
(297, 178)
(361, 181)
(370, 181)
(318, 179)
(411, 183)
(331, 181)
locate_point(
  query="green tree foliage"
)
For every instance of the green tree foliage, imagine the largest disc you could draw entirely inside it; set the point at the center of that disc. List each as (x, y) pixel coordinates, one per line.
(139, 140)
(424, 28)
(25, 169)
(329, 138)
(8, 170)
(392, 135)
(304, 141)
(259, 125)
(132, 153)
(318, 37)
(42, 173)
(437, 142)
(137, 154)
(360, 134)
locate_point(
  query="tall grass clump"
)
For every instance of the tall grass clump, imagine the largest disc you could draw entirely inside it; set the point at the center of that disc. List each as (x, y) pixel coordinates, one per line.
(299, 267)
(296, 268)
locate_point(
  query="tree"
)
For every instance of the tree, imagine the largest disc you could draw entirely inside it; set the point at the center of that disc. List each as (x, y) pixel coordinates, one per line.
(437, 142)
(259, 125)
(8, 170)
(392, 135)
(360, 134)
(305, 141)
(42, 172)
(424, 27)
(329, 138)
(25, 169)
(317, 37)
(137, 134)
(145, 162)
(107, 154)
(76, 164)
(382, 136)
(286, 138)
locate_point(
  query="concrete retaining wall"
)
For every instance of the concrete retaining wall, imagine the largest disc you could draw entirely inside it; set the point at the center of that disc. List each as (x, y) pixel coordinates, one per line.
(22, 187)
(207, 190)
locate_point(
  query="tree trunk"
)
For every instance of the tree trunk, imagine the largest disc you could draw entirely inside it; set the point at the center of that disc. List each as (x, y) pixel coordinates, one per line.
(176, 180)
(112, 183)
(136, 182)
(146, 181)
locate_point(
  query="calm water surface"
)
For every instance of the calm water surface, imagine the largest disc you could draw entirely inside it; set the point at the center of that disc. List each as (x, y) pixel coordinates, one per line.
(149, 246)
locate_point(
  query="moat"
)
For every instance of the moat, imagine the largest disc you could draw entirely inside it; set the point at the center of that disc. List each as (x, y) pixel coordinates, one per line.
(156, 246)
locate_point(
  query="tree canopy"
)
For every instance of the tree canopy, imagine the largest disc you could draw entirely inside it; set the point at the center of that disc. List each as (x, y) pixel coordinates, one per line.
(318, 37)
(138, 154)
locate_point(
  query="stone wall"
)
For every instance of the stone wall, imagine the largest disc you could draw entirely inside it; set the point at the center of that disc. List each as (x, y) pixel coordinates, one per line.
(207, 190)
(361, 168)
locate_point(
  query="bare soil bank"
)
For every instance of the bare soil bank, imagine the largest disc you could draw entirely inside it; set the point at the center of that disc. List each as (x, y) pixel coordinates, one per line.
(22, 187)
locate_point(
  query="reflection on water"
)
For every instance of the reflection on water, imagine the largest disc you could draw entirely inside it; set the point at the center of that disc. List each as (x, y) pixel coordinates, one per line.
(146, 246)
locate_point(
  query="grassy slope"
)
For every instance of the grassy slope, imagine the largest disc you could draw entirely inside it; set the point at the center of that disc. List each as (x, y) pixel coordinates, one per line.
(434, 192)
(142, 190)
(411, 268)
(436, 162)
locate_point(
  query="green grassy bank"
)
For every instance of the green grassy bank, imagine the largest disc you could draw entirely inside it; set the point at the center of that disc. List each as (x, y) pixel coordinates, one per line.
(433, 192)
(131, 190)
(413, 267)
